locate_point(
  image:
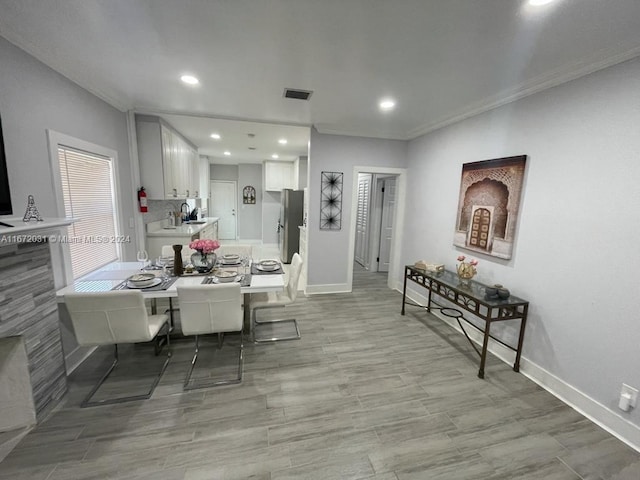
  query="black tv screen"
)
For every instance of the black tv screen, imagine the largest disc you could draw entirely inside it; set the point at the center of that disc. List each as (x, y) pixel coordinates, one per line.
(5, 195)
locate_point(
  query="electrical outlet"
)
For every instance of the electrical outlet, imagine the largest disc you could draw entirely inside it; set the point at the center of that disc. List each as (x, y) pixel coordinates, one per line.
(630, 393)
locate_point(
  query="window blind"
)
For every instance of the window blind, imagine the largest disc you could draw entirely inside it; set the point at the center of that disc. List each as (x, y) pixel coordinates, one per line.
(88, 191)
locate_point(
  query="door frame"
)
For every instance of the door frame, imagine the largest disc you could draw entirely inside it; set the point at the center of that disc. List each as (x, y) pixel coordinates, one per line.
(376, 226)
(235, 201)
(396, 269)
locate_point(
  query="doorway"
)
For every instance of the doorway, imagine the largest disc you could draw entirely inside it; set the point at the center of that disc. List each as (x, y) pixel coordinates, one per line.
(223, 204)
(378, 206)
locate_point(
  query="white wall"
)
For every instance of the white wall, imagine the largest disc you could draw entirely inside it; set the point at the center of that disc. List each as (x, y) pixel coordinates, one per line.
(34, 98)
(575, 257)
(250, 215)
(328, 263)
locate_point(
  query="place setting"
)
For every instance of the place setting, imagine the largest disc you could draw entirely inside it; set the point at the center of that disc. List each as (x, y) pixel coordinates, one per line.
(228, 276)
(266, 267)
(147, 282)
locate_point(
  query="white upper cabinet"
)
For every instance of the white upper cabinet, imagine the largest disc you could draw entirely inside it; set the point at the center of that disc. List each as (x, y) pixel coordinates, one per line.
(278, 176)
(168, 164)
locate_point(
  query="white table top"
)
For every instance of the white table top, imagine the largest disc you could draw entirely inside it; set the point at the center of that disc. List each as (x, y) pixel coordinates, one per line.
(113, 274)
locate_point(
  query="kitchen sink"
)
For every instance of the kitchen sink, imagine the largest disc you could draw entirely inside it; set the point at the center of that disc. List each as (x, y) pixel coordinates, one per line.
(195, 222)
(168, 228)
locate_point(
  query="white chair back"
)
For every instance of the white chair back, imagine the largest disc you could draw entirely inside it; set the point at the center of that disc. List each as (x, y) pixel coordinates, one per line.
(108, 318)
(294, 276)
(242, 250)
(210, 308)
(167, 251)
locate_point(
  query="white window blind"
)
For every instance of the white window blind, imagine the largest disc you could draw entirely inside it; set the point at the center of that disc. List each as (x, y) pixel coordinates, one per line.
(88, 191)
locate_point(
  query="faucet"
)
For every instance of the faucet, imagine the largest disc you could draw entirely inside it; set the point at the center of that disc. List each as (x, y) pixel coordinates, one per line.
(185, 213)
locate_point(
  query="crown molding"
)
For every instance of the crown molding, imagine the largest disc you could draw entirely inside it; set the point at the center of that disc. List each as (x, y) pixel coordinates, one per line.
(538, 84)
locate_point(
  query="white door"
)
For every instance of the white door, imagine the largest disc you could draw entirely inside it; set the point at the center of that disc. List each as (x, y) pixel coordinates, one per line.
(386, 229)
(361, 254)
(223, 205)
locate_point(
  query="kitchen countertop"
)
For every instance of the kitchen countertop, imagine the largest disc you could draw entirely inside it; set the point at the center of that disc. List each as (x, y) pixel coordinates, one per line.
(157, 229)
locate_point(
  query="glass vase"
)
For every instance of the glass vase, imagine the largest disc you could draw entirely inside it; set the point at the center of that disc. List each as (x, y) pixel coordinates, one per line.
(203, 262)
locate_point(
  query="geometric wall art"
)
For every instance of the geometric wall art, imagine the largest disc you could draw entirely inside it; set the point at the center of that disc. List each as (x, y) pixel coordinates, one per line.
(331, 200)
(489, 204)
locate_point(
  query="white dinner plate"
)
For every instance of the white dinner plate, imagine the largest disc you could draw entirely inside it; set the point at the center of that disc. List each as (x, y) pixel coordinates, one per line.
(230, 261)
(156, 281)
(217, 280)
(268, 263)
(267, 268)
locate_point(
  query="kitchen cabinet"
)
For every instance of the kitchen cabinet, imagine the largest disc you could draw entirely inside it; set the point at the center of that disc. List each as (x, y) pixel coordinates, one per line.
(210, 231)
(158, 234)
(169, 165)
(278, 176)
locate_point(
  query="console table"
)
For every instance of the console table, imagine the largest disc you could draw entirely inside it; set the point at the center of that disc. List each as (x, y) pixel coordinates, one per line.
(471, 299)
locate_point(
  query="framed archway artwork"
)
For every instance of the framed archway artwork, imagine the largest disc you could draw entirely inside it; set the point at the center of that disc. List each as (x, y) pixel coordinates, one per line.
(249, 195)
(331, 184)
(489, 204)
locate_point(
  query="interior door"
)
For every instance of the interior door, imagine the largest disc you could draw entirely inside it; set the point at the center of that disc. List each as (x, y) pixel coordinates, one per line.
(386, 229)
(223, 205)
(361, 253)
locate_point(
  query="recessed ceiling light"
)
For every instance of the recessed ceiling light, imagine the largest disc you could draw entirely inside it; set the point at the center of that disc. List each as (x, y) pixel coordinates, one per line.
(189, 79)
(215, 136)
(227, 153)
(275, 156)
(387, 104)
(282, 141)
(539, 3)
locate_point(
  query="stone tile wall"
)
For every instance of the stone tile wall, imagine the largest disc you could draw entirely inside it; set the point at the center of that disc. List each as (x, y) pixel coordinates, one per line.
(28, 308)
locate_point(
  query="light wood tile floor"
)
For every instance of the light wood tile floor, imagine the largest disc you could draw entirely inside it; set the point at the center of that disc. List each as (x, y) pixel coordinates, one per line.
(365, 394)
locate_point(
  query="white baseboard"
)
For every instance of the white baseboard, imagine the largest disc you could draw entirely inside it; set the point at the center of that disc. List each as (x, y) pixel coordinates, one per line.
(330, 288)
(599, 414)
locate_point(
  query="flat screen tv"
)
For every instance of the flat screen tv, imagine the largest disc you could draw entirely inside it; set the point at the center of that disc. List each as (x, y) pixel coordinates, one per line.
(5, 195)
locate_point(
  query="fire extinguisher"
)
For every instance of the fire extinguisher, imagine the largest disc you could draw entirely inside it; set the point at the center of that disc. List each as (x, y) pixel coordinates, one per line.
(142, 200)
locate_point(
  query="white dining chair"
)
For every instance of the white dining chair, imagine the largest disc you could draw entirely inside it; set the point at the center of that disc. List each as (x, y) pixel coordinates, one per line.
(110, 318)
(288, 296)
(208, 309)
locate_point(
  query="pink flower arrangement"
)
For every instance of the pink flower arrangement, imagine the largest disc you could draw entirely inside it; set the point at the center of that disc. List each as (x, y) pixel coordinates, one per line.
(205, 246)
(474, 262)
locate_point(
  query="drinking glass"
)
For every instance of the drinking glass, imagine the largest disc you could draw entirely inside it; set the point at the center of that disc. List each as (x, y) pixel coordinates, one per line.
(246, 261)
(162, 265)
(142, 256)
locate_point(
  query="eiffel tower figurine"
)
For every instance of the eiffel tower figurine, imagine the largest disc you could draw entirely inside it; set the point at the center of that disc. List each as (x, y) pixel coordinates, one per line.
(32, 211)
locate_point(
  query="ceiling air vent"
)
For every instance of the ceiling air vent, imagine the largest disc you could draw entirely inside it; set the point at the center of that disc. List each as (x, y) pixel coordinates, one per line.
(297, 94)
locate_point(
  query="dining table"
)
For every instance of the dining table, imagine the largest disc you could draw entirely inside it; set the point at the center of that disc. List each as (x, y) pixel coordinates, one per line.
(114, 275)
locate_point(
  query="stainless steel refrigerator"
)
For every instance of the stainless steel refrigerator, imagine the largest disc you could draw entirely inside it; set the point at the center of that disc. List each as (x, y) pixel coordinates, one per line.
(291, 207)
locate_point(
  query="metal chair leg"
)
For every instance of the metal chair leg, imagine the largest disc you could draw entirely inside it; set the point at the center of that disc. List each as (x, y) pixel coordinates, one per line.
(255, 322)
(108, 401)
(193, 385)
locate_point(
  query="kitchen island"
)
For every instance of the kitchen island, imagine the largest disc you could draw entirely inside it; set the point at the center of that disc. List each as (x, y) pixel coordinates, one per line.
(159, 234)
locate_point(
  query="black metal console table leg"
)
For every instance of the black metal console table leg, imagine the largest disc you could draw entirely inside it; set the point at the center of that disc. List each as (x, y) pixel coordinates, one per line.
(523, 325)
(485, 344)
(404, 291)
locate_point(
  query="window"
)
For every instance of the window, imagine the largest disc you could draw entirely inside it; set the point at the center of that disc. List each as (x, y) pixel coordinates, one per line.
(88, 192)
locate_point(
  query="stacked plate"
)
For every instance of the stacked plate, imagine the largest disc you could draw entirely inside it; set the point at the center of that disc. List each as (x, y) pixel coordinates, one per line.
(268, 265)
(226, 276)
(230, 259)
(142, 280)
